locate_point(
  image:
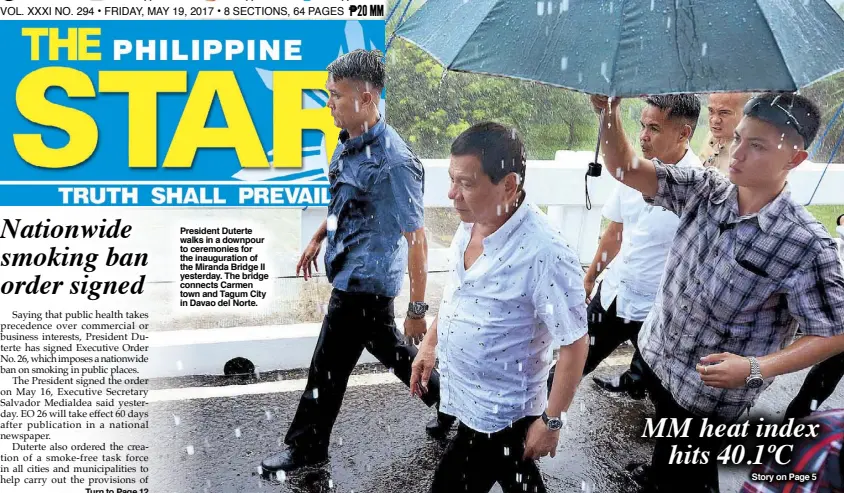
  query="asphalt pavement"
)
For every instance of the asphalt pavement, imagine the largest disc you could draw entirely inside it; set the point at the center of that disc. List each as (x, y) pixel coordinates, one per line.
(212, 433)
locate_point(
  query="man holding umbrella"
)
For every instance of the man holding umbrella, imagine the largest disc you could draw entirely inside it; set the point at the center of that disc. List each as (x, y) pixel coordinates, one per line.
(747, 265)
(637, 242)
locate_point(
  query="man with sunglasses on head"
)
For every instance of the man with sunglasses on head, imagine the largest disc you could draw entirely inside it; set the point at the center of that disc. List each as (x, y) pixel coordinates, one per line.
(748, 264)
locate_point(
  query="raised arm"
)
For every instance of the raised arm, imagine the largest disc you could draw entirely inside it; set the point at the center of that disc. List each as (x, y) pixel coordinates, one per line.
(619, 157)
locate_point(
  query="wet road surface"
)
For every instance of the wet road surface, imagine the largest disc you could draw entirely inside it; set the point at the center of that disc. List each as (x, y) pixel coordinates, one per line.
(379, 445)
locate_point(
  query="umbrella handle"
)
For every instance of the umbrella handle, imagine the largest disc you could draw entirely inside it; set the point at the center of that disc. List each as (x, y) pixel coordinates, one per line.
(594, 167)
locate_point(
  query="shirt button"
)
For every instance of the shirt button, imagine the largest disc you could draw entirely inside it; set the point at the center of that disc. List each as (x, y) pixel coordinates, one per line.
(685, 308)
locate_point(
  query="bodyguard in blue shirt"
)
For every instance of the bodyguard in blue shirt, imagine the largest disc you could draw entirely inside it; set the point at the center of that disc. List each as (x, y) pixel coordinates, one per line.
(374, 230)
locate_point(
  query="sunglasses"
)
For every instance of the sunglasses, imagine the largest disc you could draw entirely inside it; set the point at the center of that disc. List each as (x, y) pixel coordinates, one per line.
(776, 114)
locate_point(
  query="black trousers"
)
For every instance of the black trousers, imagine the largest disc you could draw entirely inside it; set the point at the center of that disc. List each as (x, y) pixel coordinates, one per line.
(820, 383)
(474, 462)
(701, 477)
(606, 332)
(354, 321)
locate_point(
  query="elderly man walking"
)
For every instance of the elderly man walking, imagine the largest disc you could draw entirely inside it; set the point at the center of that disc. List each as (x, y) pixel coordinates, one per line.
(515, 294)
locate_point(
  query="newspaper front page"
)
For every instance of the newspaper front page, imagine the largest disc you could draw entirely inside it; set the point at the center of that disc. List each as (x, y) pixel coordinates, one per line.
(160, 162)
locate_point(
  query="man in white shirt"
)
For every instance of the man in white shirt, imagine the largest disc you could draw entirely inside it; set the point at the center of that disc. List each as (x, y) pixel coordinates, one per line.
(637, 242)
(515, 294)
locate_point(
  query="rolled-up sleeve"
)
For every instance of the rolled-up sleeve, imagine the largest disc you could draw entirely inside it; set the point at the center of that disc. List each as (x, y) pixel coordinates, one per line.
(816, 295)
(407, 182)
(677, 185)
(558, 296)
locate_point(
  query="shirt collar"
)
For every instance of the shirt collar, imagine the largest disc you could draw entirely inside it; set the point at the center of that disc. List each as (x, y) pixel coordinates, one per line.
(766, 216)
(689, 159)
(360, 142)
(500, 235)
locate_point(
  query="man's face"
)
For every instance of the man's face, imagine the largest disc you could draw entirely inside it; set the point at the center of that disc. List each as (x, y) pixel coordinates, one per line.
(475, 197)
(660, 136)
(725, 112)
(345, 100)
(761, 155)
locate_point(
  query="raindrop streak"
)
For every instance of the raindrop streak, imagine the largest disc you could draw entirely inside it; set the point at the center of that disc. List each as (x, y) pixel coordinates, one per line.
(237, 432)
(813, 405)
(316, 393)
(281, 476)
(330, 484)
(269, 415)
(550, 9)
(357, 106)
(177, 420)
(540, 8)
(652, 5)
(703, 49)
(564, 6)
(604, 72)
(669, 22)
(506, 451)
(564, 63)
(179, 365)
(189, 449)
(331, 223)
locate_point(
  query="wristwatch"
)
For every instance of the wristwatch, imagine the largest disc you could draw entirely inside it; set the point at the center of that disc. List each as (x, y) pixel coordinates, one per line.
(416, 309)
(754, 381)
(553, 424)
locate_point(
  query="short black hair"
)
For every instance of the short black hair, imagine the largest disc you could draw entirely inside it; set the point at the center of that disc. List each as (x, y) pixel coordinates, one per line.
(685, 107)
(838, 221)
(787, 111)
(499, 149)
(361, 65)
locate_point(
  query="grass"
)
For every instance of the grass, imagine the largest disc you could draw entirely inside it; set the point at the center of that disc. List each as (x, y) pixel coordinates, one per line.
(827, 214)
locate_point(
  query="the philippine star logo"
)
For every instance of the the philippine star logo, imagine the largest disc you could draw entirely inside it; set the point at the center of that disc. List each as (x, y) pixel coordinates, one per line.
(314, 157)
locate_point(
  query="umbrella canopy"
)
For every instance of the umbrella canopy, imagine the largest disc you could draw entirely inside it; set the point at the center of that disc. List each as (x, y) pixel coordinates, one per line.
(630, 48)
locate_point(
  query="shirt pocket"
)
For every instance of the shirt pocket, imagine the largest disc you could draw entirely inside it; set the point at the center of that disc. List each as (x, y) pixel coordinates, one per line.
(739, 291)
(363, 176)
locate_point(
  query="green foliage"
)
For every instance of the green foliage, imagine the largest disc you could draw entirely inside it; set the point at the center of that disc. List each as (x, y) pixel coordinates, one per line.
(430, 107)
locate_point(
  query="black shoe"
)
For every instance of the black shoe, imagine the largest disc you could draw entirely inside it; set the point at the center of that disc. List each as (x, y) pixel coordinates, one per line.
(291, 459)
(641, 472)
(621, 383)
(440, 426)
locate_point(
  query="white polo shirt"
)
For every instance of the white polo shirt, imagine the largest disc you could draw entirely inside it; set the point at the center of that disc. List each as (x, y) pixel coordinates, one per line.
(634, 275)
(500, 320)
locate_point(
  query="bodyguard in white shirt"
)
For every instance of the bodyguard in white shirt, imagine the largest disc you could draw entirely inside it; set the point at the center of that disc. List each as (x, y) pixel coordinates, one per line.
(515, 294)
(637, 242)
